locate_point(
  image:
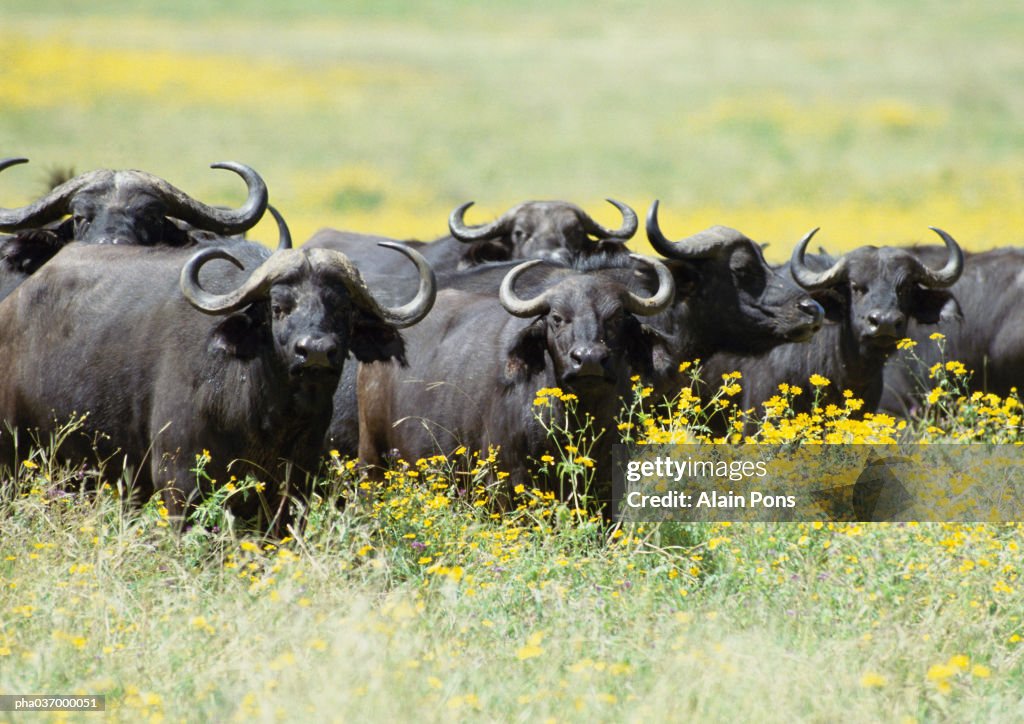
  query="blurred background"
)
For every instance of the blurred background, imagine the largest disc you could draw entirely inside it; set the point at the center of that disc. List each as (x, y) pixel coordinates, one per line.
(872, 120)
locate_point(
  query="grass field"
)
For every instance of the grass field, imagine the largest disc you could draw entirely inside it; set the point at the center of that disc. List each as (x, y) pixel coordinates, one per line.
(872, 120)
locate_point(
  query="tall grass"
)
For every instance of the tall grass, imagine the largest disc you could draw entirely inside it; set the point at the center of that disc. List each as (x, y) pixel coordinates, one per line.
(417, 599)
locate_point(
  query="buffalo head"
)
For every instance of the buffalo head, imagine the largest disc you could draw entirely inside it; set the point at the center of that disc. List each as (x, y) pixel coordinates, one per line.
(133, 207)
(312, 306)
(874, 291)
(555, 230)
(587, 324)
(736, 300)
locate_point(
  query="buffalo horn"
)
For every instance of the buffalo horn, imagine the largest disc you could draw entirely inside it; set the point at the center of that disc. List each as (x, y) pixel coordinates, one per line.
(220, 221)
(284, 235)
(808, 278)
(49, 208)
(416, 309)
(702, 245)
(626, 231)
(659, 301)
(457, 225)
(947, 275)
(512, 303)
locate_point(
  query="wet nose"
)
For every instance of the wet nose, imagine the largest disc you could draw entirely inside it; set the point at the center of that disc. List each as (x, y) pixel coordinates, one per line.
(316, 351)
(887, 322)
(588, 360)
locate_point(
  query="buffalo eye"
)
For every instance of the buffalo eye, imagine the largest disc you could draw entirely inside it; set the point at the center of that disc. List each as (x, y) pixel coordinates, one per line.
(556, 319)
(281, 307)
(857, 288)
(518, 235)
(81, 222)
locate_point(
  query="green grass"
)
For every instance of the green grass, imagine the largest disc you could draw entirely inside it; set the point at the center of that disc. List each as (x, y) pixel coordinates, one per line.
(536, 617)
(721, 111)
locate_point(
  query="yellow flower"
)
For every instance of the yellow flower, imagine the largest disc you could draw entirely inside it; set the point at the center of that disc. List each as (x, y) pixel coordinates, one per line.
(940, 672)
(936, 336)
(957, 368)
(906, 343)
(959, 661)
(819, 381)
(981, 671)
(532, 649)
(872, 680)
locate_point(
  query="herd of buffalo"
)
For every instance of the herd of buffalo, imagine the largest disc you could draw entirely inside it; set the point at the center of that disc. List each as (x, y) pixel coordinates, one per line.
(147, 316)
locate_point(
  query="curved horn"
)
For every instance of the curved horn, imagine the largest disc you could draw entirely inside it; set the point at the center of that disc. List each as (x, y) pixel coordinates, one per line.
(284, 236)
(416, 309)
(659, 301)
(808, 278)
(49, 208)
(701, 245)
(253, 288)
(221, 221)
(947, 275)
(626, 231)
(457, 226)
(513, 304)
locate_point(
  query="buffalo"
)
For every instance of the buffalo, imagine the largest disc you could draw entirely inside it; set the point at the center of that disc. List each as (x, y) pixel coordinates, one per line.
(988, 340)
(169, 352)
(727, 298)
(869, 295)
(554, 230)
(477, 361)
(117, 207)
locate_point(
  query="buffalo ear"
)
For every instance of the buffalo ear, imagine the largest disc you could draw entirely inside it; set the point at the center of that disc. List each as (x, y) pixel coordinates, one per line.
(833, 302)
(686, 276)
(931, 306)
(29, 250)
(374, 340)
(606, 247)
(240, 334)
(173, 235)
(526, 354)
(481, 252)
(648, 349)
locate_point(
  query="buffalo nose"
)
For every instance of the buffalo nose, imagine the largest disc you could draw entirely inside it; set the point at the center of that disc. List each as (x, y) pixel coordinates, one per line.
(316, 351)
(887, 322)
(588, 360)
(811, 308)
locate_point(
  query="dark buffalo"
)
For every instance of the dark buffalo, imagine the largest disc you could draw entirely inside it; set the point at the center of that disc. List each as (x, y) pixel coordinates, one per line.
(869, 294)
(477, 361)
(727, 298)
(170, 352)
(117, 207)
(989, 340)
(555, 230)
